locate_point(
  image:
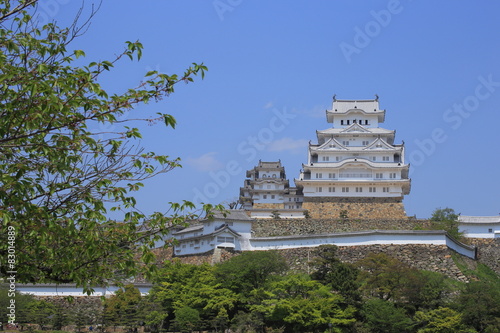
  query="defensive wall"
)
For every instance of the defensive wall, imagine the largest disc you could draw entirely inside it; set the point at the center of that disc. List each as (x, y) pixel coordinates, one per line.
(287, 227)
(363, 208)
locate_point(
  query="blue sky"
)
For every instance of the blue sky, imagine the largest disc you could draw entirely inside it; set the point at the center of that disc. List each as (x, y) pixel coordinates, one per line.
(273, 68)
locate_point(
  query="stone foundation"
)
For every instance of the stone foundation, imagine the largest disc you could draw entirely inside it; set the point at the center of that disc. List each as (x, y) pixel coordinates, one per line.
(434, 258)
(355, 208)
(311, 226)
(268, 206)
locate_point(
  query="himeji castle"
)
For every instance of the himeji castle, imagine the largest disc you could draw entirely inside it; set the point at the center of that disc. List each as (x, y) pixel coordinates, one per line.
(355, 166)
(354, 169)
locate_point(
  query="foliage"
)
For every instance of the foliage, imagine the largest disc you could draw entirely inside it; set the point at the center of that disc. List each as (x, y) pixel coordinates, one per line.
(382, 316)
(186, 319)
(59, 174)
(479, 304)
(302, 304)
(446, 219)
(328, 269)
(250, 270)
(441, 320)
(124, 308)
(182, 285)
(247, 322)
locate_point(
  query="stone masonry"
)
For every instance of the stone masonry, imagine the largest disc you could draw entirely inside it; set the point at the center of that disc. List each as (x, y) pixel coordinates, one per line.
(356, 208)
(315, 226)
(268, 206)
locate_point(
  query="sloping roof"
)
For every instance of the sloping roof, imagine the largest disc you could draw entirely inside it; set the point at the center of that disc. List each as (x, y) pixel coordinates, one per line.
(236, 214)
(189, 229)
(369, 130)
(479, 219)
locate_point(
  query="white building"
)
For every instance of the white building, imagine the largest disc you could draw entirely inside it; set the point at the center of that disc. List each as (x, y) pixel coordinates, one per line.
(479, 226)
(267, 190)
(356, 157)
(231, 231)
(235, 232)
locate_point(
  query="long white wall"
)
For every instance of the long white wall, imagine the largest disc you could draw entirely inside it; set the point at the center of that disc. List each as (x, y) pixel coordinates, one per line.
(71, 290)
(397, 237)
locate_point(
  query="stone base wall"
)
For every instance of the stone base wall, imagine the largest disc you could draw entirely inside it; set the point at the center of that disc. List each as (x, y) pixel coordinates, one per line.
(434, 258)
(268, 206)
(356, 208)
(312, 226)
(488, 252)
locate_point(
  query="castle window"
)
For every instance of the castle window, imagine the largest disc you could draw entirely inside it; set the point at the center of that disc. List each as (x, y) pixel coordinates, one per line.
(348, 122)
(264, 196)
(364, 143)
(331, 175)
(289, 199)
(221, 239)
(385, 189)
(331, 189)
(272, 196)
(379, 175)
(366, 121)
(319, 175)
(490, 230)
(392, 175)
(385, 158)
(274, 176)
(337, 158)
(372, 189)
(342, 122)
(319, 189)
(374, 158)
(326, 158)
(264, 175)
(359, 189)
(345, 143)
(354, 121)
(345, 189)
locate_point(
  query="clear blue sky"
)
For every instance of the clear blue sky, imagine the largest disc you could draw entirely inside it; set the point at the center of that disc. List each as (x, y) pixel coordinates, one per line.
(273, 68)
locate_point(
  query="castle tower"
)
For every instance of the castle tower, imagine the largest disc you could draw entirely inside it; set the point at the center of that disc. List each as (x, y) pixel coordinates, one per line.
(355, 168)
(266, 189)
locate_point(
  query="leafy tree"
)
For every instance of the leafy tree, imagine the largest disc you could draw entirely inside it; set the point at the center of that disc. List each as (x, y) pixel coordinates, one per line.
(342, 277)
(302, 304)
(186, 319)
(441, 320)
(244, 322)
(480, 305)
(382, 316)
(197, 287)
(446, 219)
(59, 176)
(387, 278)
(250, 270)
(22, 302)
(40, 312)
(124, 308)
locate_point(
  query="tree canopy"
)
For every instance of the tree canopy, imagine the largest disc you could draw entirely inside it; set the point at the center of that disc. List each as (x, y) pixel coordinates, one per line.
(59, 178)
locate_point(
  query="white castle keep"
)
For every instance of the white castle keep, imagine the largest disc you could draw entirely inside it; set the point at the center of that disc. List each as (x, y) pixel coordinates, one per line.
(354, 168)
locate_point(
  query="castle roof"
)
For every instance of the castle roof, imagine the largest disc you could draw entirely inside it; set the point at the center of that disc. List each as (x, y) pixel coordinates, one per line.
(352, 128)
(479, 219)
(346, 106)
